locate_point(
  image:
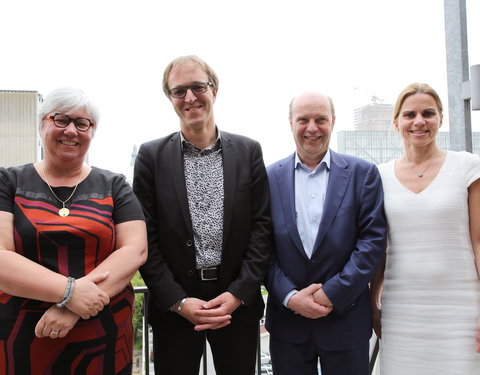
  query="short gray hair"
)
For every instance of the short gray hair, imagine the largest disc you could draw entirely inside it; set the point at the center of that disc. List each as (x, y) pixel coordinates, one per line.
(67, 101)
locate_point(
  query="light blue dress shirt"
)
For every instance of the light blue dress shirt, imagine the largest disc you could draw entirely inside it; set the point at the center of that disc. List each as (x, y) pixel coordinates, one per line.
(310, 191)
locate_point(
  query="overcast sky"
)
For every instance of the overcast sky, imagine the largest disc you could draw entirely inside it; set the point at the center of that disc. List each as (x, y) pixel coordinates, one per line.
(264, 52)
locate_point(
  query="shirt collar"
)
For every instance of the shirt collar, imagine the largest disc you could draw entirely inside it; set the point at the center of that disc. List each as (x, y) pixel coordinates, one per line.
(186, 145)
(326, 160)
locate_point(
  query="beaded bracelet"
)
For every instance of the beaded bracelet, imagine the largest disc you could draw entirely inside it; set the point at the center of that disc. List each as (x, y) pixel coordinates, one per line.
(67, 296)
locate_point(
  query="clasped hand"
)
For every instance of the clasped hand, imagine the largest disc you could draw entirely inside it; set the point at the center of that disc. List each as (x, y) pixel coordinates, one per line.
(213, 314)
(311, 302)
(56, 323)
(88, 299)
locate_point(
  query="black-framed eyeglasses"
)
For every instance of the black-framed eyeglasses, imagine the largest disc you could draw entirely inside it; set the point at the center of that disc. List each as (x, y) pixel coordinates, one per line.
(62, 121)
(197, 88)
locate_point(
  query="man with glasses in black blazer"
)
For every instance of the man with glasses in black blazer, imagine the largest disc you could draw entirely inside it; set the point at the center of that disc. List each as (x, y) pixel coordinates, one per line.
(205, 196)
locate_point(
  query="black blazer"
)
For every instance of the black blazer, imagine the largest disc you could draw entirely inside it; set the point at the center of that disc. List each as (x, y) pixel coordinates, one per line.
(159, 183)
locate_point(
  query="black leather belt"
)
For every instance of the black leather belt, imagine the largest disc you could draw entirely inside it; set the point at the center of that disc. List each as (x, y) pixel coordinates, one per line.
(208, 274)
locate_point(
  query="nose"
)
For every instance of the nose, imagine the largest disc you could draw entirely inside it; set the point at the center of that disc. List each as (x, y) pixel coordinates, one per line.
(312, 126)
(418, 120)
(70, 128)
(190, 96)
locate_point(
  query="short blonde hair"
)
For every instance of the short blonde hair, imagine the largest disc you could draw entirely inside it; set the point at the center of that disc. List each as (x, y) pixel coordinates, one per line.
(416, 88)
(212, 76)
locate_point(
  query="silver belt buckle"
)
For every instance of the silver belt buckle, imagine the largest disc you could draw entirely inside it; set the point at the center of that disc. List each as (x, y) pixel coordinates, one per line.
(203, 278)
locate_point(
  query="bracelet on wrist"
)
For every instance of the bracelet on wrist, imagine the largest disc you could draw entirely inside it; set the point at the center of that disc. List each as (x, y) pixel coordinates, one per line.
(67, 296)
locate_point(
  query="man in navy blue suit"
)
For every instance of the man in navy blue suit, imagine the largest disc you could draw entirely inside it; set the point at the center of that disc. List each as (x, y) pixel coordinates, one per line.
(329, 231)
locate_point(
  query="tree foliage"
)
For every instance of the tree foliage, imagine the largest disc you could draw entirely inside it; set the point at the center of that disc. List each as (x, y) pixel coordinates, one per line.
(138, 312)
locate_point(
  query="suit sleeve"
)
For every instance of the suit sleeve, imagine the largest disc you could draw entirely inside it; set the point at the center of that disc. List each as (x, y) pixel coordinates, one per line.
(155, 271)
(277, 282)
(346, 286)
(256, 256)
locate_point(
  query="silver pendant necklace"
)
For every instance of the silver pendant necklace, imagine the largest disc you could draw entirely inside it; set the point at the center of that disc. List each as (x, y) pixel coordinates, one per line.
(420, 173)
(64, 211)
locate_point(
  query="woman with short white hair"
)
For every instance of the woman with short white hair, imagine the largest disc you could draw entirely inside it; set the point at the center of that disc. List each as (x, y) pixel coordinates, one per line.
(71, 238)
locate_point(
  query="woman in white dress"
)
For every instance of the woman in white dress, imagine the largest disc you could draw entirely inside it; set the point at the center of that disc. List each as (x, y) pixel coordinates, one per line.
(430, 304)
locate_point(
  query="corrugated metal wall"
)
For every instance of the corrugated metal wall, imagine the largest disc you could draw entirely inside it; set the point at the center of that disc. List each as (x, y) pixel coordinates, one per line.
(18, 129)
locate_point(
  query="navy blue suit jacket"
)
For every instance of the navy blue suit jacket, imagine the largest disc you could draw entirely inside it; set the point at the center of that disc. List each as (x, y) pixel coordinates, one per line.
(349, 247)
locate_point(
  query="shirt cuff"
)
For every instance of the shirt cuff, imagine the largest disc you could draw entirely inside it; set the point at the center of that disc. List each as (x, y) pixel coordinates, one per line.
(288, 296)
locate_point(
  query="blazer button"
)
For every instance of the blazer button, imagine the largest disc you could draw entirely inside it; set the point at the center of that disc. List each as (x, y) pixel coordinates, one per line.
(189, 243)
(190, 273)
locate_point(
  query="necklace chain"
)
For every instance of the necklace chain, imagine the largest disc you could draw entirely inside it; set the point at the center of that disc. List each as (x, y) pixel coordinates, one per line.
(420, 174)
(64, 211)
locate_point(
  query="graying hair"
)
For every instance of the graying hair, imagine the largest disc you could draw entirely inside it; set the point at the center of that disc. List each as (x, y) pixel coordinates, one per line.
(290, 107)
(67, 101)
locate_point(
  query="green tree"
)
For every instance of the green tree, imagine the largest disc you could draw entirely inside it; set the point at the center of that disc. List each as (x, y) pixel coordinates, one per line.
(138, 312)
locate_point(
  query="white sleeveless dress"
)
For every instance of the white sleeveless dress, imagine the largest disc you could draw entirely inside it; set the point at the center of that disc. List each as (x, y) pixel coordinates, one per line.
(431, 297)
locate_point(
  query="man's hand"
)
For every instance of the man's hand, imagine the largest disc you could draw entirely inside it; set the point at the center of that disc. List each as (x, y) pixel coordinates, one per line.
(225, 303)
(302, 303)
(193, 310)
(321, 298)
(56, 323)
(221, 306)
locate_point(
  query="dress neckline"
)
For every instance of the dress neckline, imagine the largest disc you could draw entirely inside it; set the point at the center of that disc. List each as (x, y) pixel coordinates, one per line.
(440, 171)
(59, 186)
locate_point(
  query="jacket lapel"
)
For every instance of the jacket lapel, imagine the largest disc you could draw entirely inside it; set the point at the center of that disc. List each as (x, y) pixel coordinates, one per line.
(229, 180)
(337, 185)
(285, 176)
(177, 171)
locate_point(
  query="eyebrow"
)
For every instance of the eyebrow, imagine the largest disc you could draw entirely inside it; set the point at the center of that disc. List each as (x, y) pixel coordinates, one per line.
(191, 84)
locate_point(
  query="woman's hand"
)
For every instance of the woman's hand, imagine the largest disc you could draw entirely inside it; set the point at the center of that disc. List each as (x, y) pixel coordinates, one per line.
(88, 299)
(56, 323)
(376, 319)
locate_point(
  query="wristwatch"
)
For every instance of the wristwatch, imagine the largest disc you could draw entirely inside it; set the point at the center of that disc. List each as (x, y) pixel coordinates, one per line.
(178, 306)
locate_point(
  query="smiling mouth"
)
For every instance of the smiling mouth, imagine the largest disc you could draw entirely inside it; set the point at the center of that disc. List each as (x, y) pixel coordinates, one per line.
(313, 138)
(66, 143)
(192, 109)
(419, 131)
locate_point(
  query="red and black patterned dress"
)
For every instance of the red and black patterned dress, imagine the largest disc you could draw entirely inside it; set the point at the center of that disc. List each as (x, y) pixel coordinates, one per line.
(73, 246)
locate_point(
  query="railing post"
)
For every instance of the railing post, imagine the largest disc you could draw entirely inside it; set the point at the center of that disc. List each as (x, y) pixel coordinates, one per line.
(259, 353)
(374, 356)
(205, 371)
(146, 341)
